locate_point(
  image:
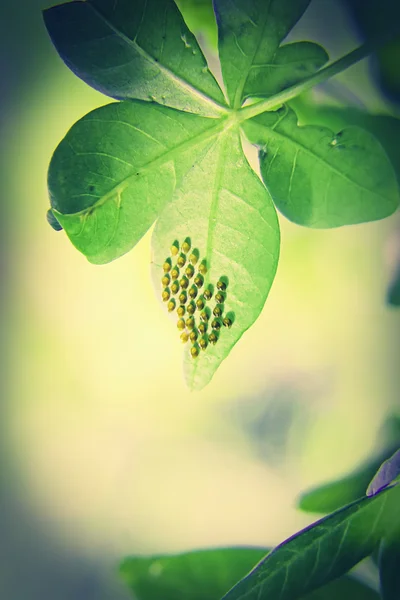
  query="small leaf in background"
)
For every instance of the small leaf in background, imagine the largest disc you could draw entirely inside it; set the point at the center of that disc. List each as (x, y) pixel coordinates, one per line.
(322, 552)
(196, 575)
(393, 292)
(389, 565)
(115, 170)
(332, 496)
(227, 214)
(387, 473)
(135, 49)
(321, 179)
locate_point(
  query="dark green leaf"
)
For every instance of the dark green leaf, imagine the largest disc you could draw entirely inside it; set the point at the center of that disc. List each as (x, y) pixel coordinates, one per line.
(197, 575)
(230, 219)
(393, 293)
(135, 49)
(321, 179)
(387, 472)
(389, 565)
(249, 34)
(115, 170)
(323, 551)
(345, 588)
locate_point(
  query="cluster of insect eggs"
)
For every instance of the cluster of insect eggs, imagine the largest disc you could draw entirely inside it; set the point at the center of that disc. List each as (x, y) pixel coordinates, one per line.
(182, 290)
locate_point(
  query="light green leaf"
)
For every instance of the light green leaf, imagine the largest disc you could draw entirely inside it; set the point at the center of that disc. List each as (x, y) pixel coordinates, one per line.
(196, 575)
(249, 34)
(227, 214)
(323, 551)
(290, 64)
(135, 49)
(389, 563)
(321, 179)
(115, 170)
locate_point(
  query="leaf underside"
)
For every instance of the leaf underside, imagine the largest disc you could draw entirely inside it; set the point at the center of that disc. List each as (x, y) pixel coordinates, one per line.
(170, 151)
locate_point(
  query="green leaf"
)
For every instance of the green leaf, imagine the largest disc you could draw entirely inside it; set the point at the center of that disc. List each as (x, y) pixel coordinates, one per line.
(115, 170)
(135, 49)
(387, 472)
(291, 63)
(208, 574)
(323, 551)
(249, 34)
(197, 575)
(52, 221)
(227, 214)
(389, 563)
(321, 179)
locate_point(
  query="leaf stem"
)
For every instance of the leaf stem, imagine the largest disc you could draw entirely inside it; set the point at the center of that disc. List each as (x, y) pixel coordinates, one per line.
(334, 68)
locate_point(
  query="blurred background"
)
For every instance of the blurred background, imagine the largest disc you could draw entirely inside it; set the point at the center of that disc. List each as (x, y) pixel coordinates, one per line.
(104, 452)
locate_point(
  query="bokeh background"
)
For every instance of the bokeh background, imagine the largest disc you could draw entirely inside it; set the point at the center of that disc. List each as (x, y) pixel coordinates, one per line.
(104, 452)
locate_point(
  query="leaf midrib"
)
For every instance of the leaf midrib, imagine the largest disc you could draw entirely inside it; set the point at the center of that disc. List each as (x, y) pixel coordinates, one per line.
(220, 108)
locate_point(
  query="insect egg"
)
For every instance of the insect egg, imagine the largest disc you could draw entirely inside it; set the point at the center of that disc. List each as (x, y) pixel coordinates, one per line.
(175, 287)
(217, 312)
(166, 267)
(193, 258)
(202, 268)
(171, 305)
(185, 247)
(191, 308)
(175, 273)
(203, 327)
(181, 260)
(220, 298)
(181, 324)
(193, 336)
(194, 351)
(165, 280)
(200, 303)
(184, 337)
(174, 249)
(165, 295)
(212, 338)
(207, 294)
(221, 285)
(198, 280)
(193, 292)
(190, 323)
(204, 317)
(184, 282)
(203, 343)
(216, 324)
(182, 297)
(189, 271)
(227, 322)
(180, 311)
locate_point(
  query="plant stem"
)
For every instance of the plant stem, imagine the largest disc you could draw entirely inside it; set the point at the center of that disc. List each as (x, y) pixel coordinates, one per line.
(333, 69)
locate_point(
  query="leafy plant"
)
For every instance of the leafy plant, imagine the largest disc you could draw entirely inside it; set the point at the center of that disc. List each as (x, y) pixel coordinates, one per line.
(312, 564)
(170, 151)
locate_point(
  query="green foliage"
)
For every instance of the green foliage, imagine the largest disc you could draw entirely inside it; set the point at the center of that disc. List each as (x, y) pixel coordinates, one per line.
(322, 552)
(208, 574)
(170, 151)
(389, 561)
(197, 575)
